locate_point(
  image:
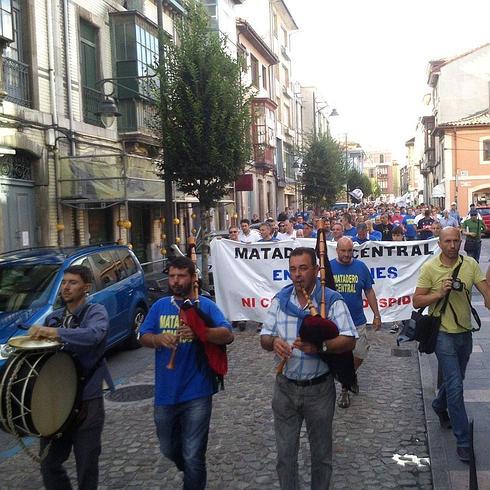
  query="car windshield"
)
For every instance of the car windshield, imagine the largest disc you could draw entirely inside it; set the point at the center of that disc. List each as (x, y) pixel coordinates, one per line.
(25, 286)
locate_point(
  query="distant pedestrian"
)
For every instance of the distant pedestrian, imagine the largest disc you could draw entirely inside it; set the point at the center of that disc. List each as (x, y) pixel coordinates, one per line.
(424, 226)
(398, 234)
(385, 228)
(183, 395)
(454, 212)
(255, 219)
(233, 233)
(372, 233)
(352, 279)
(337, 232)
(472, 230)
(349, 229)
(309, 231)
(447, 220)
(287, 232)
(265, 230)
(247, 234)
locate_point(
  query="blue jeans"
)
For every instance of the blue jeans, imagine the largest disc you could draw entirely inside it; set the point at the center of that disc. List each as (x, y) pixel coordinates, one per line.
(182, 430)
(453, 352)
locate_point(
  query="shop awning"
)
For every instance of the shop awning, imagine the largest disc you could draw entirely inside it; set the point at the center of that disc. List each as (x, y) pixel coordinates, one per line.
(438, 191)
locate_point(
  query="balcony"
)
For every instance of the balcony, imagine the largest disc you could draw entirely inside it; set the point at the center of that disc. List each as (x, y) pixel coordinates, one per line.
(16, 81)
(138, 117)
(109, 178)
(264, 157)
(91, 100)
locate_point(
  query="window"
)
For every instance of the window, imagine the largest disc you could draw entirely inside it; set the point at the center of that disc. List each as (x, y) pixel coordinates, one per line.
(381, 158)
(91, 96)
(106, 268)
(212, 9)
(286, 76)
(284, 37)
(287, 115)
(254, 63)
(486, 150)
(147, 57)
(264, 77)
(128, 261)
(15, 66)
(274, 24)
(6, 30)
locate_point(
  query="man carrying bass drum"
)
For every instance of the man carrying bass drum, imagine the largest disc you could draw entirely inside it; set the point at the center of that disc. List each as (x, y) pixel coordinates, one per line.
(82, 328)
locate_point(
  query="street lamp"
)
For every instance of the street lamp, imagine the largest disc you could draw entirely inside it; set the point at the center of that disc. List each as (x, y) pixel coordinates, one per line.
(108, 112)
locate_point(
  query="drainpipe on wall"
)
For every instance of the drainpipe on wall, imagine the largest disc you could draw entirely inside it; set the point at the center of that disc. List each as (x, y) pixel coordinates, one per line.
(72, 150)
(54, 116)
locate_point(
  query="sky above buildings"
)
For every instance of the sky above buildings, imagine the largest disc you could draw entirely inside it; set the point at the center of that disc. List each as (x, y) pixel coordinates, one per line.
(368, 59)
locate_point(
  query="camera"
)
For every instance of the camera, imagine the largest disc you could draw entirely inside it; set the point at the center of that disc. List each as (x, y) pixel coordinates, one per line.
(457, 285)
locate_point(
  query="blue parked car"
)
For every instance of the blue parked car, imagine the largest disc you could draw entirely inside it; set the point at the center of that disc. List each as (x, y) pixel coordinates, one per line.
(30, 282)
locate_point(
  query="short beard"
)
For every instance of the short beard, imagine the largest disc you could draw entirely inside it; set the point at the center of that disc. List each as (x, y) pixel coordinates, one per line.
(183, 293)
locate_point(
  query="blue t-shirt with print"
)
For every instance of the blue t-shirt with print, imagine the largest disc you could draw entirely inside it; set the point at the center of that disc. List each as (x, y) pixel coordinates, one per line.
(410, 226)
(350, 281)
(190, 379)
(352, 232)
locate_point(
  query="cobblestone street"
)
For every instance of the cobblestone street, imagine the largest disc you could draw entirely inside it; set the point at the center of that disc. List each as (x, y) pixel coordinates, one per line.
(385, 423)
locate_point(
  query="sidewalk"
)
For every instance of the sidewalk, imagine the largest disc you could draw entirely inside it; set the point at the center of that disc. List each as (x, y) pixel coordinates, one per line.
(448, 472)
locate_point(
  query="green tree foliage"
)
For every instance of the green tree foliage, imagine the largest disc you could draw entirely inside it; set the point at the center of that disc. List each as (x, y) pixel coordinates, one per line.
(324, 173)
(204, 114)
(358, 180)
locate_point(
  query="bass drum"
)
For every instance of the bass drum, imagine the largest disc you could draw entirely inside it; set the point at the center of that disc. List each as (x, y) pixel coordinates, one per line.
(38, 393)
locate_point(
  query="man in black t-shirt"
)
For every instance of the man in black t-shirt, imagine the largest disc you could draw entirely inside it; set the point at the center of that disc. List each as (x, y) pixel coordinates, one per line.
(385, 228)
(424, 226)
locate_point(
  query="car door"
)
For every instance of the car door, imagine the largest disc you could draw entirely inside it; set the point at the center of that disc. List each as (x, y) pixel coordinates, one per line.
(111, 293)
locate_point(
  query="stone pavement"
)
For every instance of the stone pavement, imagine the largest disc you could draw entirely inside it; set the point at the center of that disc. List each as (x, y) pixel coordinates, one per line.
(379, 442)
(448, 471)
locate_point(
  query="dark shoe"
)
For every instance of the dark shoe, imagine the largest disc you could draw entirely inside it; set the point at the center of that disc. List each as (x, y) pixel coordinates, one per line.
(463, 453)
(344, 400)
(444, 419)
(355, 387)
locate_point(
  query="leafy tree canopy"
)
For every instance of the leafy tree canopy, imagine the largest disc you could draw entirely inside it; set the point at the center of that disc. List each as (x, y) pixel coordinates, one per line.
(203, 109)
(358, 180)
(323, 171)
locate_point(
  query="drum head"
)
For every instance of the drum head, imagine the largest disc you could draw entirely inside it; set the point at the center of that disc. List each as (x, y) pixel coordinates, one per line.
(26, 343)
(54, 394)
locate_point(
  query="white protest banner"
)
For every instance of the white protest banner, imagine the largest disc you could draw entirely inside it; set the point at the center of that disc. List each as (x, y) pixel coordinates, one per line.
(247, 276)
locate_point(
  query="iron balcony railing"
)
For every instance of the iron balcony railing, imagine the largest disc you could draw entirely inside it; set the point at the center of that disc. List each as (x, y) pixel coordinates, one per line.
(91, 102)
(16, 80)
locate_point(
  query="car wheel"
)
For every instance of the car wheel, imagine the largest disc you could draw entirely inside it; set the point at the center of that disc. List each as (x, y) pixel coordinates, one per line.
(132, 341)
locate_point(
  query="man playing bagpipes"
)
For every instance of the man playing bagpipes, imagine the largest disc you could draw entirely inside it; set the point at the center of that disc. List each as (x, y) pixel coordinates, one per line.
(305, 389)
(188, 333)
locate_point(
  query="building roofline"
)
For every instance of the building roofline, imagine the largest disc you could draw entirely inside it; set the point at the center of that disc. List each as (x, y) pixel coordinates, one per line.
(249, 32)
(282, 5)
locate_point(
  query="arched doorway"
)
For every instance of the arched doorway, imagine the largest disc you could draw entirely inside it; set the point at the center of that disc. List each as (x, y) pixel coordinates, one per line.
(17, 201)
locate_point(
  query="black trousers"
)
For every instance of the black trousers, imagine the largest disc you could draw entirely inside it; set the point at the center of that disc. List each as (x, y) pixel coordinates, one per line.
(85, 439)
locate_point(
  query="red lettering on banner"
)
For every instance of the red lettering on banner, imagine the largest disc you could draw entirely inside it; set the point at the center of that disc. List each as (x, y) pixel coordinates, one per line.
(265, 302)
(248, 302)
(389, 302)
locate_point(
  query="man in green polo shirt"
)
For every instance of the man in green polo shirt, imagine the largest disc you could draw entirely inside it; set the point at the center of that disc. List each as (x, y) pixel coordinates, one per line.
(454, 342)
(472, 230)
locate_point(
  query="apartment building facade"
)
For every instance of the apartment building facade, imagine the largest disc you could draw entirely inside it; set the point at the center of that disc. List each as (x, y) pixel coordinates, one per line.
(76, 181)
(456, 157)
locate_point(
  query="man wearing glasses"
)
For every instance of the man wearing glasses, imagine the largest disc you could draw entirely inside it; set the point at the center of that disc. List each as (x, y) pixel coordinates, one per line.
(233, 233)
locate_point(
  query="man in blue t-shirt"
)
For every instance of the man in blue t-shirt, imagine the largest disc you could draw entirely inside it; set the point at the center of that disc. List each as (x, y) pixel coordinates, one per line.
(183, 394)
(410, 225)
(352, 278)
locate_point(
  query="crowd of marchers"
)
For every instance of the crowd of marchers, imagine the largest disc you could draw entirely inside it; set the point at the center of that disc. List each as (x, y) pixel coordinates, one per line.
(364, 222)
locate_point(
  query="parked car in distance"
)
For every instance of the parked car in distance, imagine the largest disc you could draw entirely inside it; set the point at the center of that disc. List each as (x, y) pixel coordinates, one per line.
(485, 215)
(30, 282)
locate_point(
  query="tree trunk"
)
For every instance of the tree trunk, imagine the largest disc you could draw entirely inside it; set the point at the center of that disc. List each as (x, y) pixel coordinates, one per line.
(205, 222)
